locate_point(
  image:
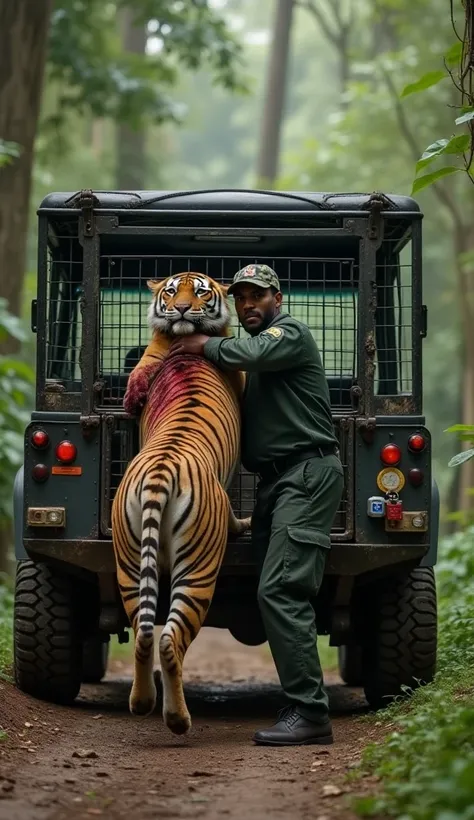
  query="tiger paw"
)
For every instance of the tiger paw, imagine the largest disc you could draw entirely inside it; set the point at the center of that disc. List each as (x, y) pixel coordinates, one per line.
(136, 394)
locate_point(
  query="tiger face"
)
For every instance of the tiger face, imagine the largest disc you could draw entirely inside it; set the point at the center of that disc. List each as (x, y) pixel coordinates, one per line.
(188, 303)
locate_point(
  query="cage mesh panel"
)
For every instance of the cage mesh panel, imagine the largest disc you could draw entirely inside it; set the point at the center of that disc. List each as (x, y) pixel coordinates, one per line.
(242, 488)
(319, 292)
(394, 323)
(322, 293)
(63, 292)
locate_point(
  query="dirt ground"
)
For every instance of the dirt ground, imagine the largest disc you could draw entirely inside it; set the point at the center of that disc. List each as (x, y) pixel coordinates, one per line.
(96, 760)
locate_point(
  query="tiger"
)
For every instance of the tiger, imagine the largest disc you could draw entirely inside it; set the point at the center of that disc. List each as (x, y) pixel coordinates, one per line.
(171, 512)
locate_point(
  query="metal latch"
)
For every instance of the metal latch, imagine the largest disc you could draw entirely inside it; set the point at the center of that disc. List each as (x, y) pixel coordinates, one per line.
(86, 201)
(89, 424)
(377, 203)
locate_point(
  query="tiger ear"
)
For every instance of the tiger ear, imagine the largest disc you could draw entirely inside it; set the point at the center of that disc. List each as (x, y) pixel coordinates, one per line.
(154, 285)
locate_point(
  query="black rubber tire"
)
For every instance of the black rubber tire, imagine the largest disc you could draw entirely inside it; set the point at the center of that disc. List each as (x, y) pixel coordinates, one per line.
(400, 650)
(350, 664)
(47, 638)
(94, 659)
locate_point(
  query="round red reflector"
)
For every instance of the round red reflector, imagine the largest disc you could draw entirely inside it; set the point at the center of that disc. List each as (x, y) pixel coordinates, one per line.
(40, 472)
(40, 439)
(415, 477)
(391, 454)
(416, 443)
(66, 452)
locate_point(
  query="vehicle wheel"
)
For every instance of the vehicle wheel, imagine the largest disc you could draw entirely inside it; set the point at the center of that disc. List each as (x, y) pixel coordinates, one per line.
(94, 659)
(350, 664)
(400, 650)
(47, 639)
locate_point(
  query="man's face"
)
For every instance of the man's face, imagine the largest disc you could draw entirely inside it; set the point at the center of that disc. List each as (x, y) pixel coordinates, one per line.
(256, 307)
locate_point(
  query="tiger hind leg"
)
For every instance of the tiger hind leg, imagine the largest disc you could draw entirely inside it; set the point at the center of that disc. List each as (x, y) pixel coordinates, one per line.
(190, 600)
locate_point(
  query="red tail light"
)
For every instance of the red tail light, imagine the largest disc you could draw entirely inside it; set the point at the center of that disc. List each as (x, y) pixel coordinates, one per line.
(66, 452)
(390, 454)
(415, 477)
(40, 472)
(40, 439)
(416, 443)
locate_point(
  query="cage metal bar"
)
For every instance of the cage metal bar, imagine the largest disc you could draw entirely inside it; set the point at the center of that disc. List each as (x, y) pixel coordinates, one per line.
(42, 330)
(366, 319)
(89, 310)
(417, 300)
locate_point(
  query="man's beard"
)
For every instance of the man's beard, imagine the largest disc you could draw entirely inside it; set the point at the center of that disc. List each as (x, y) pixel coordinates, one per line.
(266, 321)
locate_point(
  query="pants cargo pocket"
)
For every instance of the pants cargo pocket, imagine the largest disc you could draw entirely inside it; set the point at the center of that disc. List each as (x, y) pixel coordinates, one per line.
(305, 558)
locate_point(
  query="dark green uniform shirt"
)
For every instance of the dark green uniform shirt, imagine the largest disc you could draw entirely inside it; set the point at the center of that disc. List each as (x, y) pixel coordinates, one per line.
(286, 402)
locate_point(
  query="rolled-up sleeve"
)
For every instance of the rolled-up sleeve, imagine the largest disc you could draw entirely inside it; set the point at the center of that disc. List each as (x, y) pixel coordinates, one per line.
(276, 348)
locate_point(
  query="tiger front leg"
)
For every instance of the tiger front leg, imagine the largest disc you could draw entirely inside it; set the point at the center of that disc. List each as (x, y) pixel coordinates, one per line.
(137, 388)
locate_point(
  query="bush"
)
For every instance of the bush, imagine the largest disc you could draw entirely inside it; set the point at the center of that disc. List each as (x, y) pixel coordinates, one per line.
(427, 764)
(16, 394)
(6, 627)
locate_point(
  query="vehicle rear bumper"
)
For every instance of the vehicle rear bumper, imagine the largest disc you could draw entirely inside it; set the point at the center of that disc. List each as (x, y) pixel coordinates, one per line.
(343, 559)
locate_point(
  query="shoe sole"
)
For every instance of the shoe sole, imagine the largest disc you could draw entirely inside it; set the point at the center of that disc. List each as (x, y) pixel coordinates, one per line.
(320, 741)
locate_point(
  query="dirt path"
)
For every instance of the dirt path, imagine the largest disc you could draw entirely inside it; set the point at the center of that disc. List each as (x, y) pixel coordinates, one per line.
(96, 760)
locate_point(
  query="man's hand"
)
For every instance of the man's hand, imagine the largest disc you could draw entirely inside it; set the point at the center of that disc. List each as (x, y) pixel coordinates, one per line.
(189, 344)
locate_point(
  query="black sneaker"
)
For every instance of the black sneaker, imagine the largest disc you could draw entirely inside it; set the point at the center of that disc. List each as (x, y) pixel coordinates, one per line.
(291, 729)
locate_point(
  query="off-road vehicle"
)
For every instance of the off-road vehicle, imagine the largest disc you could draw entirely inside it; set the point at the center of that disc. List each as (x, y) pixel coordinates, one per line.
(350, 266)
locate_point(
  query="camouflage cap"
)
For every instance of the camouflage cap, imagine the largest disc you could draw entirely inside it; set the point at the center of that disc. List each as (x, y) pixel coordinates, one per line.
(260, 275)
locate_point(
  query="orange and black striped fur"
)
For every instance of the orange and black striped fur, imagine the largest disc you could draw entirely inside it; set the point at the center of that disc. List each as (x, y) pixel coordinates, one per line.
(171, 512)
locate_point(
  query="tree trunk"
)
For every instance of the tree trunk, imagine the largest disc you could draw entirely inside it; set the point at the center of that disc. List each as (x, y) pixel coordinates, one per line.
(24, 26)
(131, 159)
(267, 167)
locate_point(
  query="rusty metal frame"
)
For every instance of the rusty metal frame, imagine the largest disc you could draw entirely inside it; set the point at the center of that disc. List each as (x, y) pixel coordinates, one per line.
(41, 314)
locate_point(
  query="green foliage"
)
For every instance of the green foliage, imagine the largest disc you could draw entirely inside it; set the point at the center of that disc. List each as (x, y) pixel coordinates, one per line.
(8, 152)
(6, 629)
(429, 179)
(429, 79)
(465, 433)
(427, 764)
(16, 392)
(457, 145)
(92, 73)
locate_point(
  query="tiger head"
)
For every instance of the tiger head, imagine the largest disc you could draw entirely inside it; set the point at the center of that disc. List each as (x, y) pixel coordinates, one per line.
(188, 303)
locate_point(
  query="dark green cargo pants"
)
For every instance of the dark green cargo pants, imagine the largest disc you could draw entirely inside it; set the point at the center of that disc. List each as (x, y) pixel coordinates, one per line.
(291, 524)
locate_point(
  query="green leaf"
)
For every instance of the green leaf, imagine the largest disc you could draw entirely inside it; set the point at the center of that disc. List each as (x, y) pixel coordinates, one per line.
(455, 145)
(466, 117)
(429, 179)
(13, 326)
(429, 79)
(453, 54)
(460, 428)
(460, 458)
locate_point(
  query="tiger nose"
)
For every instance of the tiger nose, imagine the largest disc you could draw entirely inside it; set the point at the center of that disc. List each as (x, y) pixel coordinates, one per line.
(182, 307)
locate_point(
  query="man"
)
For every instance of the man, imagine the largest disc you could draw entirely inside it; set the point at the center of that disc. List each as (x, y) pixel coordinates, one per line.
(288, 440)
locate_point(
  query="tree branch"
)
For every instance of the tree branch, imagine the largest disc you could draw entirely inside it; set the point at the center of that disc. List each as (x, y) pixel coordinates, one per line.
(315, 10)
(440, 190)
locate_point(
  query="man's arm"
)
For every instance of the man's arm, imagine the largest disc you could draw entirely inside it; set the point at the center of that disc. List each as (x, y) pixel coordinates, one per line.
(276, 348)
